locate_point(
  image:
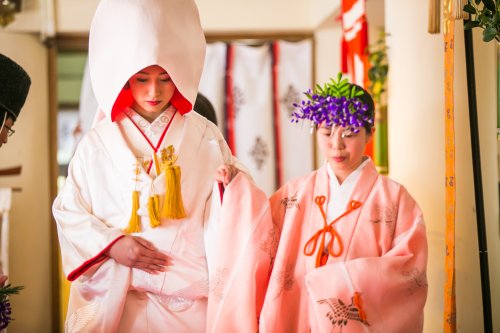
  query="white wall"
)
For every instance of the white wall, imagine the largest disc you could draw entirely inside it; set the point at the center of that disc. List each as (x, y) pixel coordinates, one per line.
(416, 146)
(29, 20)
(255, 16)
(30, 214)
(218, 16)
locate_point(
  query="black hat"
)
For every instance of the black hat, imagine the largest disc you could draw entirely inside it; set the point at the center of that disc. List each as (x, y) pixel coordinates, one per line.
(14, 86)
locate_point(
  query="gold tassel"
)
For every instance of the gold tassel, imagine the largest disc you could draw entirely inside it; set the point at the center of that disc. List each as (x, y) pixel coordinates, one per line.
(173, 206)
(154, 211)
(434, 16)
(458, 10)
(134, 225)
(157, 164)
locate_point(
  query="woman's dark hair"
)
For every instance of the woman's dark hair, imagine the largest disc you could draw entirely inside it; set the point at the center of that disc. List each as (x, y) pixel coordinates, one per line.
(203, 106)
(367, 99)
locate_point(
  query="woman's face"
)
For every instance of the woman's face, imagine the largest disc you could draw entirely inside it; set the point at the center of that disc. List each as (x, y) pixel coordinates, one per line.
(4, 132)
(152, 90)
(342, 148)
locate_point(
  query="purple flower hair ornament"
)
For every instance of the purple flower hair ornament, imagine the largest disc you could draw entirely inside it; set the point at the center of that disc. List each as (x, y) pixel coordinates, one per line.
(337, 103)
(5, 309)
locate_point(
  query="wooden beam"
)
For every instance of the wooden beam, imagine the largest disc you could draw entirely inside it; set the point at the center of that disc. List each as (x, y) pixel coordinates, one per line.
(14, 171)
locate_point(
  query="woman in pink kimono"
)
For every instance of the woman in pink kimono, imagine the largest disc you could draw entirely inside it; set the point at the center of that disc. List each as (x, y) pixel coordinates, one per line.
(146, 239)
(352, 252)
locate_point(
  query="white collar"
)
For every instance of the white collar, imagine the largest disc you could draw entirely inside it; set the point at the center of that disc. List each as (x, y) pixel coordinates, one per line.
(340, 193)
(350, 179)
(154, 130)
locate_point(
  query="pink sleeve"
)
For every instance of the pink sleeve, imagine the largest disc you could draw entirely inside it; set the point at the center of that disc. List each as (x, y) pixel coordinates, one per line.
(244, 249)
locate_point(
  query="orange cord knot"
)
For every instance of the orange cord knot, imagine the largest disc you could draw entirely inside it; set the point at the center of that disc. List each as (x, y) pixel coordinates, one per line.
(320, 235)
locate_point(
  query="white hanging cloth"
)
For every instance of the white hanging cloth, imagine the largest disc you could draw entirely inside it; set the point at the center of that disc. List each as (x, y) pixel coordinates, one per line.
(294, 77)
(5, 204)
(253, 110)
(213, 80)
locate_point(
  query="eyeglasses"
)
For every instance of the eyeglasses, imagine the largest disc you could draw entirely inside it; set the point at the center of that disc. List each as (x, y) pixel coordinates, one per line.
(11, 131)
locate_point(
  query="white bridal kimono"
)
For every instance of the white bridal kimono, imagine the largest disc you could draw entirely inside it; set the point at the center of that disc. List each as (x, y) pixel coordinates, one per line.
(220, 254)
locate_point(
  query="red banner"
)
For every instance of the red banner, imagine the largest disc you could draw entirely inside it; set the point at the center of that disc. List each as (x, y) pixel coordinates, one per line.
(355, 46)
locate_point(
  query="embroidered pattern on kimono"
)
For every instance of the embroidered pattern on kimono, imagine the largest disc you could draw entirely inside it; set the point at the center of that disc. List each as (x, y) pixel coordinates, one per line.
(284, 279)
(384, 214)
(290, 202)
(416, 279)
(340, 313)
(270, 245)
(219, 284)
(81, 317)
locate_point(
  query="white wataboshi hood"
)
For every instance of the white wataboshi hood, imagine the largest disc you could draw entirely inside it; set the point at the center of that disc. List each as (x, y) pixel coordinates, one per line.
(129, 35)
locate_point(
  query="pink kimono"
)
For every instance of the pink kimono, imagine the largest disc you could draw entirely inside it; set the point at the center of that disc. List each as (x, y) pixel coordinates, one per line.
(376, 282)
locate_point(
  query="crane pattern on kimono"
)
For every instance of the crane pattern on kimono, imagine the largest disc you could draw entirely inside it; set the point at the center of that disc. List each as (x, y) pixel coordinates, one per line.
(384, 215)
(290, 202)
(270, 244)
(340, 313)
(284, 279)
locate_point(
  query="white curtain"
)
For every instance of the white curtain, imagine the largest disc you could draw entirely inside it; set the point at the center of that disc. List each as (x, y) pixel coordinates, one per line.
(5, 204)
(213, 80)
(294, 61)
(253, 111)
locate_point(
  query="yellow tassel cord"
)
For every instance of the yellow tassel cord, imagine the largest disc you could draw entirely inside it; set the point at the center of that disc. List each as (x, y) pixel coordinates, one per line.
(157, 164)
(434, 22)
(458, 12)
(173, 206)
(154, 211)
(134, 225)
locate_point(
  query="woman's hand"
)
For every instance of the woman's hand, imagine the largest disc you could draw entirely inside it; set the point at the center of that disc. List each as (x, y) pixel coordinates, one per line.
(136, 252)
(3, 278)
(226, 173)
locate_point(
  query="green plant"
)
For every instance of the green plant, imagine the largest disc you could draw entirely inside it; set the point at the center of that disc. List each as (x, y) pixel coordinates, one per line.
(337, 102)
(5, 309)
(377, 56)
(484, 14)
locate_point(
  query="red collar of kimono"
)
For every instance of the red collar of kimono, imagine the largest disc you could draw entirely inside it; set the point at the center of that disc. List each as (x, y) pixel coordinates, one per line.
(125, 99)
(155, 148)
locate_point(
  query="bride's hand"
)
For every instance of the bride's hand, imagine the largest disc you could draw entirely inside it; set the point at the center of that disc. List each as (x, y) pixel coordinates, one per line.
(226, 173)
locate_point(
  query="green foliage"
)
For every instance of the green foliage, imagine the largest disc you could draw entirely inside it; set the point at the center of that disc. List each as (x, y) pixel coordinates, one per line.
(484, 14)
(336, 88)
(377, 56)
(9, 290)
